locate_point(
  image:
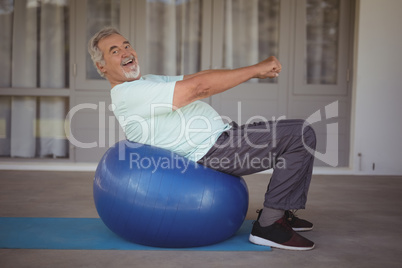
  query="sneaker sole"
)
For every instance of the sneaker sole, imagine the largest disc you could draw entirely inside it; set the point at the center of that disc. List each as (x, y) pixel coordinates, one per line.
(264, 242)
(302, 229)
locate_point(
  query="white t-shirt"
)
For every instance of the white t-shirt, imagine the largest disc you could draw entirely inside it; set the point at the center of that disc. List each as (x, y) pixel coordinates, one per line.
(144, 111)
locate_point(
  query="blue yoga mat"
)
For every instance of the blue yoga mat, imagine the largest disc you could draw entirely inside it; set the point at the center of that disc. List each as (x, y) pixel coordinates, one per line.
(91, 233)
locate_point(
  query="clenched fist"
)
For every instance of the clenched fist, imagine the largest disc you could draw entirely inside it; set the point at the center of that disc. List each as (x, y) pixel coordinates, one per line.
(268, 68)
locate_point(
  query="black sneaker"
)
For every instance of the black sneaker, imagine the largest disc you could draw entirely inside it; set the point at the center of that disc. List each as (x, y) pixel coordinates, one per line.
(279, 235)
(297, 224)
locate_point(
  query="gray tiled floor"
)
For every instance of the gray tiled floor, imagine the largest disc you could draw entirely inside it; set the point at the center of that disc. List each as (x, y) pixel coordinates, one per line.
(357, 224)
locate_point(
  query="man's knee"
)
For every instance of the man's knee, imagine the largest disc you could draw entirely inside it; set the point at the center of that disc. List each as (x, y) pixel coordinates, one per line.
(309, 136)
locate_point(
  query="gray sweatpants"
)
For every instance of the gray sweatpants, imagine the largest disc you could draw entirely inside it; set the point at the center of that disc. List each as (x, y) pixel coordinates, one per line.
(281, 145)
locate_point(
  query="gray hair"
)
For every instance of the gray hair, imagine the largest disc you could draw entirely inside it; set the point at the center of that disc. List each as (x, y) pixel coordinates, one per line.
(93, 49)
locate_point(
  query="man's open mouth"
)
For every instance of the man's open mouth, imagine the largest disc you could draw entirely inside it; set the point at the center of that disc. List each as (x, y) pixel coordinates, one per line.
(126, 62)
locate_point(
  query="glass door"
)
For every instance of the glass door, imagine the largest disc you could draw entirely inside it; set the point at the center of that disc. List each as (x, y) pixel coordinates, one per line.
(322, 34)
(34, 78)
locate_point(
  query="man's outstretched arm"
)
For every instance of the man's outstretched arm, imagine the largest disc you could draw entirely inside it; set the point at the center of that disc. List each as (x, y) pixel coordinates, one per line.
(188, 76)
(210, 82)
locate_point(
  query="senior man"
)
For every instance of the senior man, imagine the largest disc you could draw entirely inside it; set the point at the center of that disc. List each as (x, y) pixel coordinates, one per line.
(165, 106)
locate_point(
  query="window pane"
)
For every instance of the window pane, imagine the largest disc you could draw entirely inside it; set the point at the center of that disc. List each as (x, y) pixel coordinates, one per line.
(5, 125)
(33, 127)
(251, 32)
(100, 13)
(174, 36)
(34, 44)
(322, 31)
(6, 22)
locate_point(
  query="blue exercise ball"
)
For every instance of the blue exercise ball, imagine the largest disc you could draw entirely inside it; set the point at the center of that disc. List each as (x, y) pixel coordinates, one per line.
(154, 197)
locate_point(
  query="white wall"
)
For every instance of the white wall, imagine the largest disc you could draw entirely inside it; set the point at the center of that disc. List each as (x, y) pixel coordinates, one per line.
(377, 116)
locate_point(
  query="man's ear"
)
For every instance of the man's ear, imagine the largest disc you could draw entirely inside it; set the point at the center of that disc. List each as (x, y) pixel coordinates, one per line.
(101, 67)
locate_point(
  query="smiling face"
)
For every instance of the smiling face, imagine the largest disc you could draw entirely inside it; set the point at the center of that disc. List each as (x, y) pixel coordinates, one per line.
(121, 62)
